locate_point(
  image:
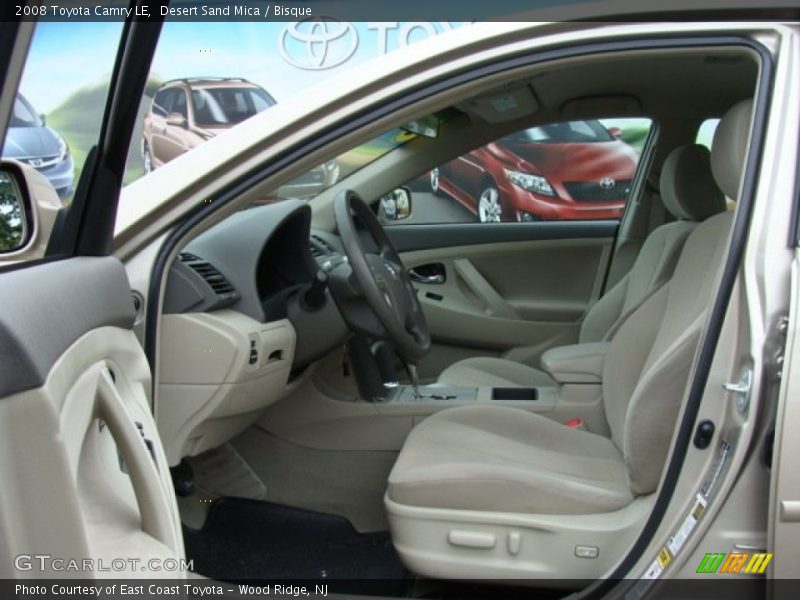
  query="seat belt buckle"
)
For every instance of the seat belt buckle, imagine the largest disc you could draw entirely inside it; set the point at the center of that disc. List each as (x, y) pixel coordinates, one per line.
(576, 423)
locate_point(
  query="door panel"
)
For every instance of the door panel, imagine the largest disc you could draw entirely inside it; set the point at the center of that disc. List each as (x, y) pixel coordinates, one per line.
(83, 473)
(512, 298)
(784, 519)
(76, 395)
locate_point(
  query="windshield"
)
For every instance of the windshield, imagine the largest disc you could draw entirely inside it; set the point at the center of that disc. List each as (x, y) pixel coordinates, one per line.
(24, 115)
(568, 132)
(218, 106)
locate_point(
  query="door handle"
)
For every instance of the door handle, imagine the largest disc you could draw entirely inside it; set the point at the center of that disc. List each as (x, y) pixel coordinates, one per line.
(435, 279)
(141, 464)
(790, 511)
(489, 299)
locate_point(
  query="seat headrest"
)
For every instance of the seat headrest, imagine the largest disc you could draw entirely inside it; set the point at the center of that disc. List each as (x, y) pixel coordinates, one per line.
(687, 184)
(729, 149)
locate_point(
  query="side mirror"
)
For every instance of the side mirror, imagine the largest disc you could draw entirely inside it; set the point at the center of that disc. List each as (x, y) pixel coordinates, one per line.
(16, 224)
(395, 206)
(615, 131)
(176, 119)
(28, 208)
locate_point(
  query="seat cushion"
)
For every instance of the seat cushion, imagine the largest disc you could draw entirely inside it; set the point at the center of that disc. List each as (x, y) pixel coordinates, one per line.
(497, 458)
(485, 371)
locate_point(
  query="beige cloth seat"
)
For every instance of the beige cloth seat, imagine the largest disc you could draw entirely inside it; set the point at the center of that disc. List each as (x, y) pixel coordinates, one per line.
(495, 458)
(691, 196)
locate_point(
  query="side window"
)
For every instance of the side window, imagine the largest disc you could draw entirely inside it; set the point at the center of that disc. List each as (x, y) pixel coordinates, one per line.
(160, 103)
(262, 101)
(567, 171)
(23, 114)
(705, 134)
(179, 104)
(168, 100)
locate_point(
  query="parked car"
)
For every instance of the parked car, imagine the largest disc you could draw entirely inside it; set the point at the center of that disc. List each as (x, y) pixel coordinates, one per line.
(187, 112)
(31, 141)
(561, 171)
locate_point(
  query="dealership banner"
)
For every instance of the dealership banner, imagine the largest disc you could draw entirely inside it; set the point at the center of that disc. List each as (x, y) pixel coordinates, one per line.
(372, 10)
(281, 50)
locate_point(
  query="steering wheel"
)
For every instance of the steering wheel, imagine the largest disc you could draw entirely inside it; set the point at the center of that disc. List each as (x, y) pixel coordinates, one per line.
(381, 281)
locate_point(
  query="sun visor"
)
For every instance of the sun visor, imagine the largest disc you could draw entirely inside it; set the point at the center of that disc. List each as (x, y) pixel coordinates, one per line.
(507, 105)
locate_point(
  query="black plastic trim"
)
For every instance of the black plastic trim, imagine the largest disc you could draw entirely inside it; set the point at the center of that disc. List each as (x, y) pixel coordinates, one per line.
(52, 306)
(88, 228)
(407, 238)
(8, 39)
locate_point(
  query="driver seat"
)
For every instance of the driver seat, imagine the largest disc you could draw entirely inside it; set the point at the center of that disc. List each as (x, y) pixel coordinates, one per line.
(488, 491)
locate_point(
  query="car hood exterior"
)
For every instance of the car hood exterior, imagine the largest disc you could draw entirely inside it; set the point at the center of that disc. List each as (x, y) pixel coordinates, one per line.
(577, 160)
(30, 142)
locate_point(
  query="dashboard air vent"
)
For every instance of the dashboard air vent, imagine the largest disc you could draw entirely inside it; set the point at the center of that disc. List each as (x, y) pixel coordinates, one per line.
(216, 280)
(319, 247)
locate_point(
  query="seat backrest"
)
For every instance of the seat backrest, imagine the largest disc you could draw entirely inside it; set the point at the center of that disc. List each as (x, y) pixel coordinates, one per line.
(690, 194)
(650, 357)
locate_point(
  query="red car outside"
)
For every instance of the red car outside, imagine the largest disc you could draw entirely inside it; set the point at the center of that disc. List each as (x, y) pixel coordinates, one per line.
(574, 170)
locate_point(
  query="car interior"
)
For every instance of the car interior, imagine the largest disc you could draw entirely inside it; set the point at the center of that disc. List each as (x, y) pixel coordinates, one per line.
(409, 403)
(510, 419)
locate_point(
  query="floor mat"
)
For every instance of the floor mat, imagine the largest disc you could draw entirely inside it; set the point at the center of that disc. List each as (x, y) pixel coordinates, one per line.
(354, 481)
(223, 472)
(252, 539)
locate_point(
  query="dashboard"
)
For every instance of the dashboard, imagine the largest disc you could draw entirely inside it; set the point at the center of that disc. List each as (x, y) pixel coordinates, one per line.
(253, 261)
(239, 325)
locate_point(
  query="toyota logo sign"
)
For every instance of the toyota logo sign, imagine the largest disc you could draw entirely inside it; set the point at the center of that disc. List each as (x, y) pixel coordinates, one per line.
(317, 44)
(607, 183)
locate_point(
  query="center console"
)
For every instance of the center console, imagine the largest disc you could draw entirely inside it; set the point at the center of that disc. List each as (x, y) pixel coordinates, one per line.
(449, 393)
(575, 392)
(432, 398)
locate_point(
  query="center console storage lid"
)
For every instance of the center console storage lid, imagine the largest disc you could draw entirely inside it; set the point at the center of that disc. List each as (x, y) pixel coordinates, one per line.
(578, 363)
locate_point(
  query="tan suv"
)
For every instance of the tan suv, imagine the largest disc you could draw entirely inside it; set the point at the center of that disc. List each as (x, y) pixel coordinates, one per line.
(187, 112)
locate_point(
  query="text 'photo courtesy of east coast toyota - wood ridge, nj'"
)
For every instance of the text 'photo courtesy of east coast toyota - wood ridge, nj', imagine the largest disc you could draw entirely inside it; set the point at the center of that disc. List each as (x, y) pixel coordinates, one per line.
(448, 300)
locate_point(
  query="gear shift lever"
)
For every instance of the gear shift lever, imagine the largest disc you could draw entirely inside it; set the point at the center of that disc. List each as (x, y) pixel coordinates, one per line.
(412, 374)
(444, 394)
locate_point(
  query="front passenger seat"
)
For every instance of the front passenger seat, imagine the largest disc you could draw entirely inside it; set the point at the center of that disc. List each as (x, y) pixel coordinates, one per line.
(691, 195)
(489, 491)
